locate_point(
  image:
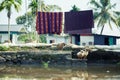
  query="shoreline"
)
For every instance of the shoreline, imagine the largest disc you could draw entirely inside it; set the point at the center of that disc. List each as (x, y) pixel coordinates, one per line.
(57, 58)
(50, 54)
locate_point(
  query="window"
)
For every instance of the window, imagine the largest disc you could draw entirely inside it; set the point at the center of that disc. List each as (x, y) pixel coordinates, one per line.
(52, 41)
(90, 43)
(83, 44)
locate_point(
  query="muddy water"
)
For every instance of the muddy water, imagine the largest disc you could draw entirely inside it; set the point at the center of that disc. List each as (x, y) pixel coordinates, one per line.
(87, 72)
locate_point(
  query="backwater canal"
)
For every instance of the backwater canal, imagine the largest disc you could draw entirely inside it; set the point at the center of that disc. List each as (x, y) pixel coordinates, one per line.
(37, 72)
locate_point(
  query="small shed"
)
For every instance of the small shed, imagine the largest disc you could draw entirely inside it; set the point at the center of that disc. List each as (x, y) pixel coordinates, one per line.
(15, 30)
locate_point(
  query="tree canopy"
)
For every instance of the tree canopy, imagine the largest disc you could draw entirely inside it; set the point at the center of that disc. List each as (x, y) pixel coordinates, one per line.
(75, 8)
(8, 5)
(104, 13)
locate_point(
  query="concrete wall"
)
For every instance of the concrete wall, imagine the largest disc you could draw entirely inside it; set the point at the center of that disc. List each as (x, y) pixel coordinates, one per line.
(4, 37)
(86, 40)
(73, 39)
(58, 39)
(14, 40)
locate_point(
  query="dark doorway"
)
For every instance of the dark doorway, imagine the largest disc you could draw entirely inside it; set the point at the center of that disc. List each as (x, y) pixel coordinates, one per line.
(11, 37)
(77, 39)
(106, 40)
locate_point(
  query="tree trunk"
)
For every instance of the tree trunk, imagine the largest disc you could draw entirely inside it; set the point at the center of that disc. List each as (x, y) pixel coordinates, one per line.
(102, 29)
(9, 30)
(9, 15)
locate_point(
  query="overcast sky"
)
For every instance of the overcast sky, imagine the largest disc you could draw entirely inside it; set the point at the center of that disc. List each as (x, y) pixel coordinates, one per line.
(66, 5)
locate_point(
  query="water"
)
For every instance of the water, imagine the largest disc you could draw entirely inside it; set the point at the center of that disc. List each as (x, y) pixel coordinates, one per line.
(88, 72)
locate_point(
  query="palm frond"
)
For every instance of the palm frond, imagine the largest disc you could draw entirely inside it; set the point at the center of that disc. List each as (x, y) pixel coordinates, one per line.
(109, 22)
(16, 6)
(110, 6)
(97, 15)
(117, 13)
(19, 1)
(2, 5)
(105, 3)
(118, 20)
(96, 4)
(114, 20)
(1, 8)
(99, 23)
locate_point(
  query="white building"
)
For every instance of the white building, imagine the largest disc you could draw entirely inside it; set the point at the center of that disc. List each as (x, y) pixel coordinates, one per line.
(93, 39)
(58, 39)
(15, 30)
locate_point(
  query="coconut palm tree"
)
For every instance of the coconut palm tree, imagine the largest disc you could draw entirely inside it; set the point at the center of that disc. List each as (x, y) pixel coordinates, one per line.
(34, 6)
(103, 13)
(48, 8)
(8, 5)
(75, 8)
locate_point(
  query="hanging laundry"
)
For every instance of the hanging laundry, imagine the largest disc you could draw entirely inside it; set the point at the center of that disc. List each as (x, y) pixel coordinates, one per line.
(49, 22)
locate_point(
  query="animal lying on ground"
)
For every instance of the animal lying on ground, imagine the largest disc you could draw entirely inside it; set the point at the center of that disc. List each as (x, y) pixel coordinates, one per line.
(83, 53)
(60, 46)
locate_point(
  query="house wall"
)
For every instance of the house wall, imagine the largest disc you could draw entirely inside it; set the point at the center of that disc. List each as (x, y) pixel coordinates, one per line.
(95, 40)
(98, 40)
(4, 37)
(0, 38)
(83, 40)
(101, 40)
(56, 39)
(86, 40)
(14, 38)
(73, 39)
(115, 41)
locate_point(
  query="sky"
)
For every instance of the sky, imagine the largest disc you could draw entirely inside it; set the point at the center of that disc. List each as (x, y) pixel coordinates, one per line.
(66, 5)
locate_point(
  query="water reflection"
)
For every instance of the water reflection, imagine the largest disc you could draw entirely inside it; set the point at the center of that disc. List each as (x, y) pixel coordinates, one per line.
(109, 72)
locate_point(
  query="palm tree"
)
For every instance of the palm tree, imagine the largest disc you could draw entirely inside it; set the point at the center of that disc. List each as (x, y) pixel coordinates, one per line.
(34, 6)
(48, 8)
(74, 8)
(8, 4)
(103, 13)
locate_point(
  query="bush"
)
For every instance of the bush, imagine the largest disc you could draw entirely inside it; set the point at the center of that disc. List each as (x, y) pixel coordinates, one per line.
(14, 48)
(3, 48)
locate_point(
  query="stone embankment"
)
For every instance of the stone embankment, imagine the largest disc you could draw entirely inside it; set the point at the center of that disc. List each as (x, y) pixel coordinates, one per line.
(57, 57)
(29, 57)
(53, 56)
